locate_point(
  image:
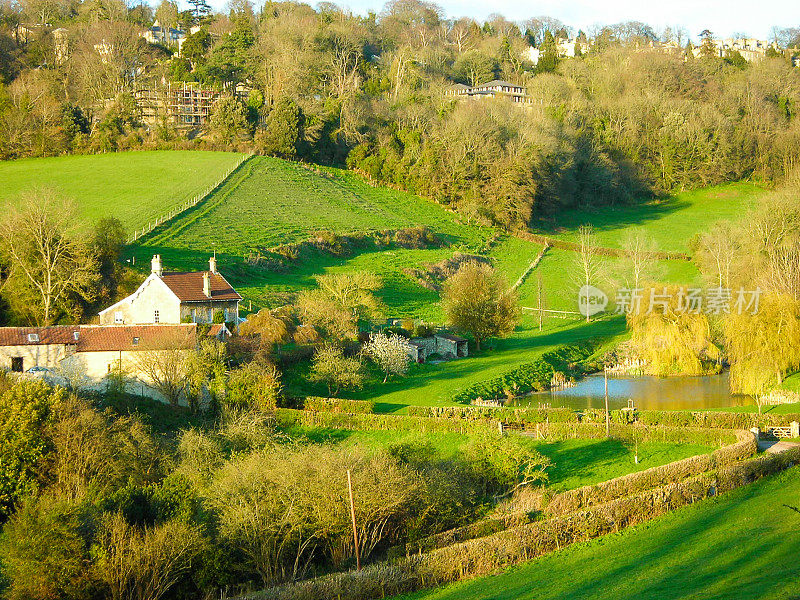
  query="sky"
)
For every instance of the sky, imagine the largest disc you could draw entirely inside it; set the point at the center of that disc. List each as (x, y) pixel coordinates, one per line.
(722, 17)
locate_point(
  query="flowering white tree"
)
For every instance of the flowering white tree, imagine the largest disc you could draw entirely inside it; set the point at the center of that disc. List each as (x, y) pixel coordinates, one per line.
(389, 352)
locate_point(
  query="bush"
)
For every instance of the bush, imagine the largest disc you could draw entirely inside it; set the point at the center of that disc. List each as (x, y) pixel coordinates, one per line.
(44, 552)
(27, 410)
(253, 386)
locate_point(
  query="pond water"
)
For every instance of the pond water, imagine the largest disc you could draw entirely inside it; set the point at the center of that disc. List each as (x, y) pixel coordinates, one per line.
(648, 393)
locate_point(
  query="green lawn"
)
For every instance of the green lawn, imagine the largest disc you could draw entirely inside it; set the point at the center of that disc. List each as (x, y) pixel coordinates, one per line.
(575, 463)
(672, 222)
(135, 187)
(741, 545)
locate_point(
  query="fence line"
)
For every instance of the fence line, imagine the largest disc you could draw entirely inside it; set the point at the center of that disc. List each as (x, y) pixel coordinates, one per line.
(560, 314)
(151, 225)
(531, 267)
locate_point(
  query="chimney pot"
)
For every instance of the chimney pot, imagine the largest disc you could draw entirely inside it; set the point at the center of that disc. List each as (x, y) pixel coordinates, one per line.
(156, 265)
(207, 285)
(212, 264)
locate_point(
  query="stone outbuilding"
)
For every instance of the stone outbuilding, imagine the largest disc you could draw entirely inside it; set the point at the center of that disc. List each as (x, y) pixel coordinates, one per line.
(446, 345)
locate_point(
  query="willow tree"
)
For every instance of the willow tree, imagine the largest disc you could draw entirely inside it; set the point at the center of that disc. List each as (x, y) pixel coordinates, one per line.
(670, 335)
(764, 346)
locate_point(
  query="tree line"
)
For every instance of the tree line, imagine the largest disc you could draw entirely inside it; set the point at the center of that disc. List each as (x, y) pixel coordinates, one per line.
(614, 125)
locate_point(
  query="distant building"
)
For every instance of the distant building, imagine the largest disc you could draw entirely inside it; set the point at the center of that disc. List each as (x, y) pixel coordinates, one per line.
(493, 89)
(751, 49)
(167, 36)
(177, 297)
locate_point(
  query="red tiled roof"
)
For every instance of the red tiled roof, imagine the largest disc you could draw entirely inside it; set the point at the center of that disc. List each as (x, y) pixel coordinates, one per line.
(188, 287)
(57, 334)
(112, 338)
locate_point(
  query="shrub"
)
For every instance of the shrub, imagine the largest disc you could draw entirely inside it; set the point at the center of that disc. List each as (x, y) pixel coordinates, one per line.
(27, 410)
(253, 386)
(44, 553)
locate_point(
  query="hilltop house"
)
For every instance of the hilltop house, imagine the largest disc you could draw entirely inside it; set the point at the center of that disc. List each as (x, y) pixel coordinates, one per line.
(169, 36)
(177, 297)
(493, 89)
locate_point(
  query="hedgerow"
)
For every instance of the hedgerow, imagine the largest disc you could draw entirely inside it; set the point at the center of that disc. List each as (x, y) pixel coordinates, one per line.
(534, 376)
(340, 405)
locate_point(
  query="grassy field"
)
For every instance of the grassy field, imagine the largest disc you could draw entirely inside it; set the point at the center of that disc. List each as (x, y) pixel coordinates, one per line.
(672, 222)
(272, 201)
(741, 545)
(135, 187)
(575, 463)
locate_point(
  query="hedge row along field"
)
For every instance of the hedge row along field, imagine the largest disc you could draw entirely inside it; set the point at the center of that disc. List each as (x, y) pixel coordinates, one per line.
(500, 550)
(535, 376)
(665, 418)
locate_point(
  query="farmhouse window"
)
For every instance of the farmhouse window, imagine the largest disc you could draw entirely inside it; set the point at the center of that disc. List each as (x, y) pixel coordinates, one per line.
(16, 364)
(33, 337)
(156, 317)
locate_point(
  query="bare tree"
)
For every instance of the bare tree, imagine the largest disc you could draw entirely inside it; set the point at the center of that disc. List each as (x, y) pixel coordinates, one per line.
(46, 259)
(717, 251)
(164, 362)
(590, 267)
(640, 258)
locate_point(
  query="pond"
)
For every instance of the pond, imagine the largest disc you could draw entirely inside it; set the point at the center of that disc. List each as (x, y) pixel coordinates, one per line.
(648, 393)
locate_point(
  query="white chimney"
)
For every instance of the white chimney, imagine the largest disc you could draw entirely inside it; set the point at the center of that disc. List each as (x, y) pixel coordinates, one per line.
(212, 264)
(156, 265)
(207, 285)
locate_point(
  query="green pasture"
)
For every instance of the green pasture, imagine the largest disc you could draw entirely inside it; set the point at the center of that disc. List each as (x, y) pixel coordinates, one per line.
(135, 187)
(272, 202)
(672, 222)
(740, 545)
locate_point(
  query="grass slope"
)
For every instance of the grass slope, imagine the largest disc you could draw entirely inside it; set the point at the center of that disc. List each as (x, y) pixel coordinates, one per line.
(135, 187)
(273, 201)
(741, 545)
(672, 222)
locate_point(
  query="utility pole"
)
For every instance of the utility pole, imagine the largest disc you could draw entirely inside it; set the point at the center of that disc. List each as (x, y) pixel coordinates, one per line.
(353, 517)
(605, 377)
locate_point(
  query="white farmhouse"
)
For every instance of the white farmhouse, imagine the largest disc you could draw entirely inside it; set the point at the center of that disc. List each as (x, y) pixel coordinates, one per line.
(177, 297)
